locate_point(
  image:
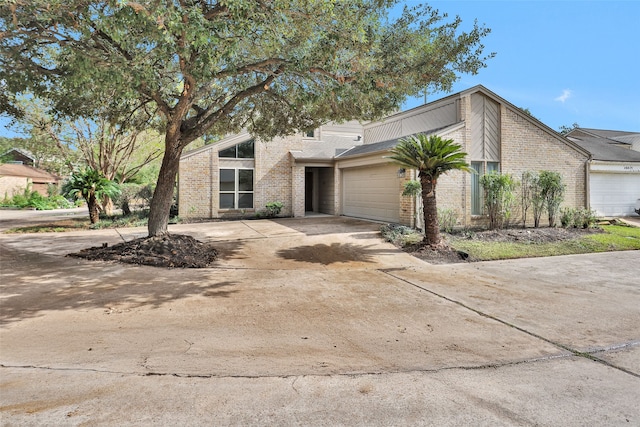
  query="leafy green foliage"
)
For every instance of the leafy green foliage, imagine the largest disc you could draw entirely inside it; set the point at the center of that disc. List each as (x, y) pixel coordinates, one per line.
(214, 67)
(274, 208)
(577, 218)
(91, 185)
(552, 191)
(447, 220)
(411, 188)
(498, 198)
(35, 200)
(431, 156)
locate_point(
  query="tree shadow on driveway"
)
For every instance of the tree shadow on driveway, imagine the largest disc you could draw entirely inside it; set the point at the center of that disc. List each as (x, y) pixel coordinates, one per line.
(33, 284)
(327, 254)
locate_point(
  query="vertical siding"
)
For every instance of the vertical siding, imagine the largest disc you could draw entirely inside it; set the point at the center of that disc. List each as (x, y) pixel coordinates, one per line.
(485, 128)
(417, 120)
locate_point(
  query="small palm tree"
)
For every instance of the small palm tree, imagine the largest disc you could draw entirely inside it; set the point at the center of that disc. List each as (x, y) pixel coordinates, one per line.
(91, 185)
(431, 156)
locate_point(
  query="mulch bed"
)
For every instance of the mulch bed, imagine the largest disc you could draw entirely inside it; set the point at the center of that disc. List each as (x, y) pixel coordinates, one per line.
(170, 250)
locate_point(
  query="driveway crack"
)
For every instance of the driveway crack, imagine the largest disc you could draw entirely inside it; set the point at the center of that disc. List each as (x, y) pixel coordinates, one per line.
(587, 355)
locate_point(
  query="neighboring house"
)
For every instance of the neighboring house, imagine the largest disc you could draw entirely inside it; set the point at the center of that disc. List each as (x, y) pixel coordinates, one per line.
(614, 169)
(18, 156)
(14, 178)
(343, 169)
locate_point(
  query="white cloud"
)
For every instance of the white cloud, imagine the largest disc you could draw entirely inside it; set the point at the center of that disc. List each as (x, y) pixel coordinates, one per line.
(566, 94)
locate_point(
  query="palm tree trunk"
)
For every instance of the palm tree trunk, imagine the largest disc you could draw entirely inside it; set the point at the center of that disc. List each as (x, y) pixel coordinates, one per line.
(94, 213)
(430, 211)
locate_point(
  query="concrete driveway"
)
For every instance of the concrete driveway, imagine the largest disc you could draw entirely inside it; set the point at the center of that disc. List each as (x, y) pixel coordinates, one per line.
(314, 321)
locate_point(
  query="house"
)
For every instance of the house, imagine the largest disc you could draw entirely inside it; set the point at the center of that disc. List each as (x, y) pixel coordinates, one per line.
(614, 169)
(343, 169)
(18, 156)
(14, 178)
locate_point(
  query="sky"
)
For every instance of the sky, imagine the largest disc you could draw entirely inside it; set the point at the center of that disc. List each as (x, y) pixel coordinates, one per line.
(566, 61)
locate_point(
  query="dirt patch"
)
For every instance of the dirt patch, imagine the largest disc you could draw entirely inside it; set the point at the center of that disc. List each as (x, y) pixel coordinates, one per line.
(442, 254)
(171, 250)
(531, 235)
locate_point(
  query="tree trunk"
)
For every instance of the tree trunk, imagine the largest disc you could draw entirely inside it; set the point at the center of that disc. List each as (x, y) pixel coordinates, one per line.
(163, 195)
(430, 211)
(94, 213)
(107, 205)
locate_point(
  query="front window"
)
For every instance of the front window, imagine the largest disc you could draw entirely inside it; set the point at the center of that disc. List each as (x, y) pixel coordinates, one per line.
(236, 188)
(480, 168)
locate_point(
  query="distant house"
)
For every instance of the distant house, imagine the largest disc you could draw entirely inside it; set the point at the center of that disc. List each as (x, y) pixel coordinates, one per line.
(14, 178)
(343, 169)
(18, 156)
(614, 169)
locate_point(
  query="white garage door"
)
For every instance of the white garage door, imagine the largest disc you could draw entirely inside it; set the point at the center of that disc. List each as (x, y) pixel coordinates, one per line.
(614, 194)
(372, 193)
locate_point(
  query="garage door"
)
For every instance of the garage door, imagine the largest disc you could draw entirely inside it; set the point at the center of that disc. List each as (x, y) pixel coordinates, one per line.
(372, 193)
(614, 194)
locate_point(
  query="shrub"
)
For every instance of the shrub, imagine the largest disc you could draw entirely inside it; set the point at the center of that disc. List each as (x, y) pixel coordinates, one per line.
(401, 235)
(447, 219)
(577, 218)
(498, 197)
(274, 208)
(552, 190)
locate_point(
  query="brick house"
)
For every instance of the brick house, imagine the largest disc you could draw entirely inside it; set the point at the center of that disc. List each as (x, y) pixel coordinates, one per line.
(15, 178)
(342, 169)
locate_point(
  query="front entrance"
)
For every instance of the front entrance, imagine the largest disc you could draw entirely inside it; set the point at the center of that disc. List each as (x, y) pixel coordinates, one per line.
(319, 193)
(308, 191)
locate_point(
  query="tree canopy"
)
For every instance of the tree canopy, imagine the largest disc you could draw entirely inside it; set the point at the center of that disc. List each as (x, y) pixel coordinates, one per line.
(272, 67)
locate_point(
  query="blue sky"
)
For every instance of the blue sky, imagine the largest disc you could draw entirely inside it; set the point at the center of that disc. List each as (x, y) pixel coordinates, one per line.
(566, 61)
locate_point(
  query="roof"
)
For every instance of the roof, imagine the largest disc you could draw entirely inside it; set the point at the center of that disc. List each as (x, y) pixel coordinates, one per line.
(383, 146)
(602, 149)
(37, 175)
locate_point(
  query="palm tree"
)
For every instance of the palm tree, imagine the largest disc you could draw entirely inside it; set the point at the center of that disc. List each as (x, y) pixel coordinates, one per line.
(431, 156)
(91, 185)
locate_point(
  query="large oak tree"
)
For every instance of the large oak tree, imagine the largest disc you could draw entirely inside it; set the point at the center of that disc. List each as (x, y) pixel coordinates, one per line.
(270, 66)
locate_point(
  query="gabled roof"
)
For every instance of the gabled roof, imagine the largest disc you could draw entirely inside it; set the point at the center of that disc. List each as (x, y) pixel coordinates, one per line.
(37, 175)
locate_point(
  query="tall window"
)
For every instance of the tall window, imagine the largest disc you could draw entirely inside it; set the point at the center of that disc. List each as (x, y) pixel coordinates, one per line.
(236, 176)
(480, 168)
(236, 188)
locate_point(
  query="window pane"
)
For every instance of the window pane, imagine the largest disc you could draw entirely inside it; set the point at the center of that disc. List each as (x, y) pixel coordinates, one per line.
(227, 180)
(310, 133)
(245, 200)
(493, 167)
(228, 152)
(476, 199)
(245, 177)
(226, 201)
(245, 150)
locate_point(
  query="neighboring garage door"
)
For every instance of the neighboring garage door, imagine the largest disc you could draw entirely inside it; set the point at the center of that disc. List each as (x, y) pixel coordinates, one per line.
(371, 193)
(614, 194)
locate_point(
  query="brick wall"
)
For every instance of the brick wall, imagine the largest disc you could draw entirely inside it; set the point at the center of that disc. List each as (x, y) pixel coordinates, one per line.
(197, 183)
(528, 147)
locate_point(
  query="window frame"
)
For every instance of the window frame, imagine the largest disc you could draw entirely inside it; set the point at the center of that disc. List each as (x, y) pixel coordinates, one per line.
(481, 167)
(237, 192)
(236, 151)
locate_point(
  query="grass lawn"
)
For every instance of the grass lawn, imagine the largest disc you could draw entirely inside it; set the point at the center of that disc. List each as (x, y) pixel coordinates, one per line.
(614, 238)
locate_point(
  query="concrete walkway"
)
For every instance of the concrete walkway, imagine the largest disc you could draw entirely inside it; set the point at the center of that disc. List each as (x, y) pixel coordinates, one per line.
(314, 321)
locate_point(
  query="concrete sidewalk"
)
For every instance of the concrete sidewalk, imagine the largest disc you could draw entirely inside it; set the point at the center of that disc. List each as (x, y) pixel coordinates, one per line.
(314, 321)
